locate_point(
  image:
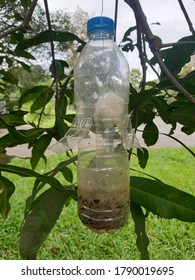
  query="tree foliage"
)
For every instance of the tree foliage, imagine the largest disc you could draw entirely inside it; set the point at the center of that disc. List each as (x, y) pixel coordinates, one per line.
(171, 97)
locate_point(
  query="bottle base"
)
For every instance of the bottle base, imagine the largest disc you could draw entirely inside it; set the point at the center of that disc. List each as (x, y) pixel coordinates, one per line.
(106, 220)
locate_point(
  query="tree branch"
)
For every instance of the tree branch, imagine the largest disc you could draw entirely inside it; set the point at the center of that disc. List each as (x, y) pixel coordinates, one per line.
(155, 46)
(186, 16)
(24, 26)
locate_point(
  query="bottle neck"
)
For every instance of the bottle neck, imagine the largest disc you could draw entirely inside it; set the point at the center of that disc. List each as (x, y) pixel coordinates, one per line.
(101, 35)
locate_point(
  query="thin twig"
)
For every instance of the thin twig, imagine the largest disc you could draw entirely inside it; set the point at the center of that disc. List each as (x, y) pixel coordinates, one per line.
(25, 25)
(186, 16)
(155, 46)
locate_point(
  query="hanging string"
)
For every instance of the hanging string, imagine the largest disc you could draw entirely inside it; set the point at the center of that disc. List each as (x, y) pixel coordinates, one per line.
(115, 17)
(102, 8)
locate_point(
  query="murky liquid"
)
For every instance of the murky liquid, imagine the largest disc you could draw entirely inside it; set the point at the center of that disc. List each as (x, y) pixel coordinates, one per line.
(103, 197)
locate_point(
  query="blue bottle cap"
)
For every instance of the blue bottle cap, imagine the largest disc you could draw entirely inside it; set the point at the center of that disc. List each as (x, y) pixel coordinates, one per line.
(100, 23)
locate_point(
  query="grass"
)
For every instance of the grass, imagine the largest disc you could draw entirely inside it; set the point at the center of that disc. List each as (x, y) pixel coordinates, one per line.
(169, 239)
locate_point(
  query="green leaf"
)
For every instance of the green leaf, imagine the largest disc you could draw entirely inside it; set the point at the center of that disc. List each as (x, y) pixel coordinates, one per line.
(150, 133)
(26, 3)
(4, 158)
(2, 2)
(38, 224)
(8, 77)
(24, 65)
(9, 61)
(142, 238)
(189, 82)
(138, 99)
(61, 112)
(162, 107)
(128, 33)
(69, 117)
(184, 114)
(57, 69)
(67, 173)
(25, 172)
(38, 150)
(25, 54)
(7, 188)
(143, 156)
(14, 118)
(162, 199)
(18, 137)
(177, 56)
(16, 37)
(18, 16)
(128, 47)
(42, 100)
(43, 37)
(33, 94)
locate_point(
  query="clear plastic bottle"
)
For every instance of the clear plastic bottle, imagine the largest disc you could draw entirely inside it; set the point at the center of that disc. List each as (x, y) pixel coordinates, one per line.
(102, 96)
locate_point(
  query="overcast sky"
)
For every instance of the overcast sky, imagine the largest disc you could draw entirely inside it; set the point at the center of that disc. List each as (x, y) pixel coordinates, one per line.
(167, 12)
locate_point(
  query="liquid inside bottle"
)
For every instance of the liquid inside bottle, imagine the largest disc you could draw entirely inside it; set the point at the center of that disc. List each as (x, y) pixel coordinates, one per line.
(103, 192)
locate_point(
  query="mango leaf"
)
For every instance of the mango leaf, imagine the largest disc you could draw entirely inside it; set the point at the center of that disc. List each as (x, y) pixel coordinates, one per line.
(9, 61)
(26, 3)
(14, 118)
(129, 46)
(142, 117)
(5, 158)
(40, 222)
(33, 94)
(189, 82)
(128, 33)
(143, 156)
(39, 148)
(42, 100)
(138, 99)
(9, 77)
(69, 117)
(18, 16)
(15, 136)
(162, 107)
(142, 241)
(184, 114)
(177, 56)
(25, 54)
(60, 125)
(24, 65)
(150, 133)
(162, 199)
(2, 2)
(67, 173)
(7, 188)
(16, 37)
(43, 37)
(18, 137)
(25, 172)
(57, 69)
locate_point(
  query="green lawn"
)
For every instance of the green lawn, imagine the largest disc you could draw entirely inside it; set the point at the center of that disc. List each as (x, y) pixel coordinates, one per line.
(169, 239)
